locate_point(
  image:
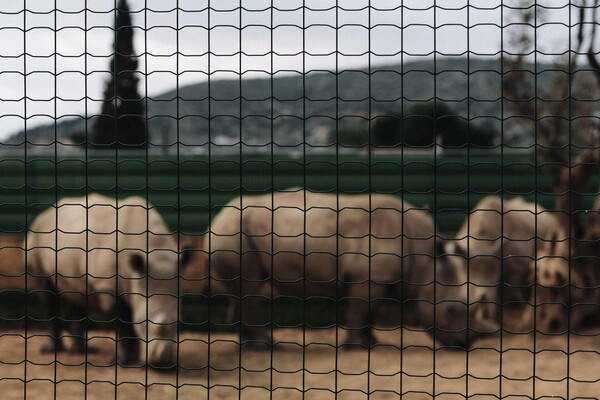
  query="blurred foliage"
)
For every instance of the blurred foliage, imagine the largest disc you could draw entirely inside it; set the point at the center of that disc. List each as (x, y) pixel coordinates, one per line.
(422, 125)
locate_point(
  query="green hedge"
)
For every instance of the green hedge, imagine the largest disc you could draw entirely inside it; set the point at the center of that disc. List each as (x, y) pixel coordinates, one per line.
(188, 190)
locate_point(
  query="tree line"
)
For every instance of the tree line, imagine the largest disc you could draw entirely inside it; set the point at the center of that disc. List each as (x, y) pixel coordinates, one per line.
(420, 127)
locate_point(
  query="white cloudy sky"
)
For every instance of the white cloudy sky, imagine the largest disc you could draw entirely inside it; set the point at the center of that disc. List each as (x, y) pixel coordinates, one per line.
(68, 48)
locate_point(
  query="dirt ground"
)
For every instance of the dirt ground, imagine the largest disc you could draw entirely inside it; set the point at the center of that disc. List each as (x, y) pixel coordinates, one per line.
(304, 365)
(307, 365)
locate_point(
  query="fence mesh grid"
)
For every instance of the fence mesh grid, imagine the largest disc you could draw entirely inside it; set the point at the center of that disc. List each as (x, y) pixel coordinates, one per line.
(343, 199)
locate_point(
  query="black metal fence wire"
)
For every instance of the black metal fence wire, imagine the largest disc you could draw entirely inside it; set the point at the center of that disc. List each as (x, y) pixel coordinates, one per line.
(268, 199)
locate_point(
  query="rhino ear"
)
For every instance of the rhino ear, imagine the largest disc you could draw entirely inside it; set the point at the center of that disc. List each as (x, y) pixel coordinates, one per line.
(450, 247)
(138, 263)
(494, 248)
(440, 247)
(483, 325)
(187, 255)
(191, 247)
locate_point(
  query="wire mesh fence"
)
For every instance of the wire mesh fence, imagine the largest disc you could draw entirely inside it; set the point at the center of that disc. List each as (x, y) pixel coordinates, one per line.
(299, 199)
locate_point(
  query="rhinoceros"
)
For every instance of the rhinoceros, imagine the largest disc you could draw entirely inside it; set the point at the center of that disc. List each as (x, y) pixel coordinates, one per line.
(495, 248)
(568, 276)
(354, 247)
(117, 257)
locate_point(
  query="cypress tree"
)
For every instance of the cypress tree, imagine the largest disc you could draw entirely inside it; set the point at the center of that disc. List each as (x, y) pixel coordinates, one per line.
(121, 121)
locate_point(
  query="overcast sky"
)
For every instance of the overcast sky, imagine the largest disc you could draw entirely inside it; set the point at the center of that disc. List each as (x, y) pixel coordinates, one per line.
(68, 49)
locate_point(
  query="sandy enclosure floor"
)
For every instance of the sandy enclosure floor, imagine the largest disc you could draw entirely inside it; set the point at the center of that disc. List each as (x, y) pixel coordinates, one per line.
(314, 370)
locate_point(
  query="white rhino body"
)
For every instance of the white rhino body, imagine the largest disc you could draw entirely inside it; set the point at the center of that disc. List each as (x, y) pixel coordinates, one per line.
(107, 255)
(354, 247)
(495, 247)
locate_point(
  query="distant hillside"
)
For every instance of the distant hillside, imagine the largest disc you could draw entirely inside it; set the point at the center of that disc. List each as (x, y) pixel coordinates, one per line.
(282, 109)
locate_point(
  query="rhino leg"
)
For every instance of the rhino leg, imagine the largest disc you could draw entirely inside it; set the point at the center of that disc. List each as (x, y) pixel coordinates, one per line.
(254, 318)
(128, 344)
(54, 342)
(581, 314)
(250, 303)
(357, 318)
(359, 331)
(249, 334)
(77, 329)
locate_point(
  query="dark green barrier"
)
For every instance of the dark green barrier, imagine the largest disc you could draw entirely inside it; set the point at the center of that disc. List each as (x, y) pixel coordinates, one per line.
(190, 189)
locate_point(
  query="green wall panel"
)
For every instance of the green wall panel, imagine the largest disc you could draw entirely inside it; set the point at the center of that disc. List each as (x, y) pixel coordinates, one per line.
(185, 190)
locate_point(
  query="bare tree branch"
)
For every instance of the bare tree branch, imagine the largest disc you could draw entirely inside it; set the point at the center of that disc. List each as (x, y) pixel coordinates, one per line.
(591, 55)
(573, 184)
(554, 105)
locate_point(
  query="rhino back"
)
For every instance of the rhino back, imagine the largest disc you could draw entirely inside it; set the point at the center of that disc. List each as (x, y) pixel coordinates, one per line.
(323, 237)
(87, 252)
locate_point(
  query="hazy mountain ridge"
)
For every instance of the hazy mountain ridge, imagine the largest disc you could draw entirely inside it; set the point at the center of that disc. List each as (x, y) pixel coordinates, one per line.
(291, 109)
